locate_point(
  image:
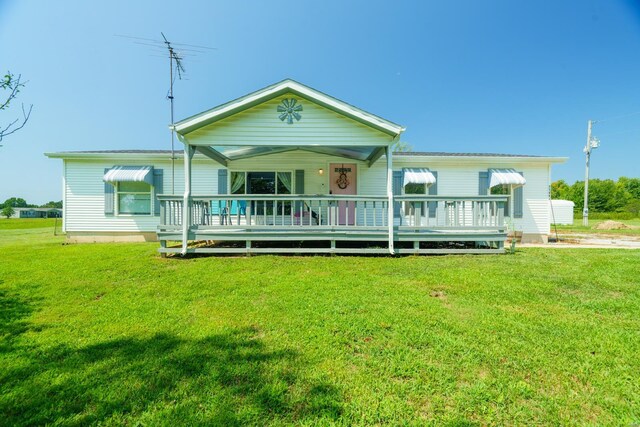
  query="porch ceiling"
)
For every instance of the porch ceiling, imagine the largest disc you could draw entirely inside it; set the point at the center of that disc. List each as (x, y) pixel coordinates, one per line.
(227, 153)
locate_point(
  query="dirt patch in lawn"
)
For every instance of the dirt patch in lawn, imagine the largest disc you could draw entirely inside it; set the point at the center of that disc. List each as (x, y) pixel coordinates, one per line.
(612, 225)
(438, 293)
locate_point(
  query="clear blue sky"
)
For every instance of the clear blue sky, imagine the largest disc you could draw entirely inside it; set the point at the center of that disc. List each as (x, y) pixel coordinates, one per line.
(482, 76)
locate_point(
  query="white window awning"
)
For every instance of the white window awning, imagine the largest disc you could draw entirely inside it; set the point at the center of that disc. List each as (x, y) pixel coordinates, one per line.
(418, 176)
(505, 177)
(129, 174)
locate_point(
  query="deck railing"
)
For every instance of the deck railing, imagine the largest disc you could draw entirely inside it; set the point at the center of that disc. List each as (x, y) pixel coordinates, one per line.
(277, 211)
(457, 212)
(316, 211)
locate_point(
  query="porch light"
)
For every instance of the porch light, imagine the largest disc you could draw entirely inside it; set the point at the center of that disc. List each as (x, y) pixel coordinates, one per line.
(320, 171)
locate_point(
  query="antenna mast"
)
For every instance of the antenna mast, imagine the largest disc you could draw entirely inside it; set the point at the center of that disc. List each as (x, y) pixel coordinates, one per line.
(179, 69)
(176, 55)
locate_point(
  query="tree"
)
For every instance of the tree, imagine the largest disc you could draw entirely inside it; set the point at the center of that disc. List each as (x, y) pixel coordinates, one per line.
(576, 195)
(631, 185)
(633, 207)
(401, 147)
(53, 204)
(560, 190)
(605, 195)
(15, 202)
(13, 85)
(8, 212)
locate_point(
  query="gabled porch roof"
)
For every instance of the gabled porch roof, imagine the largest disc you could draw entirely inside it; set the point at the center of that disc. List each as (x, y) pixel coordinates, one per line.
(191, 130)
(183, 127)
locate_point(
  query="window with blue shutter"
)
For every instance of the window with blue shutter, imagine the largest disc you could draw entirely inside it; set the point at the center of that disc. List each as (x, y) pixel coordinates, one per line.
(433, 191)
(518, 201)
(158, 176)
(396, 186)
(109, 196)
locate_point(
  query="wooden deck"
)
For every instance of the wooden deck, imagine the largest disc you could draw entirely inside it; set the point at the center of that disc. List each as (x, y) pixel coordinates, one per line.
(419, 224)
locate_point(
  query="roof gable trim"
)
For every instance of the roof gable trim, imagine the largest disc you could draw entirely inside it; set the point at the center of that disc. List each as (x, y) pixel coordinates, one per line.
(190, 124)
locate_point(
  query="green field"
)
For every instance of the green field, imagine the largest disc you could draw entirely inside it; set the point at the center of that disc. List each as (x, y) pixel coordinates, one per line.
(113, 334)
(25, 223)
(578, 228)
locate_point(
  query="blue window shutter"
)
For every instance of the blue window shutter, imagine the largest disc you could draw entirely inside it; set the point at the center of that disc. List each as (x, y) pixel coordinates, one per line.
(158, 175)
(299, 181)
(222, 181)
(433, 191)
(108, 196)
(518, 201)
(396, 186)
(483, 183)
(299, 187)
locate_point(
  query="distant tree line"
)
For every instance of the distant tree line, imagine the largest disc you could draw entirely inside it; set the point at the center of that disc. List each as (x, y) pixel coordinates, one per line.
(605, 195)
(17, 202)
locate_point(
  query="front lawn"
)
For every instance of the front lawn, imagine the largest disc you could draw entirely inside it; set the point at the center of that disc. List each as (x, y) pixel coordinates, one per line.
(27, 223)
(113, 334)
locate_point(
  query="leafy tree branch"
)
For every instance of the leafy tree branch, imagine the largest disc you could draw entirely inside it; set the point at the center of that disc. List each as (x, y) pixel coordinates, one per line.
(13, 84)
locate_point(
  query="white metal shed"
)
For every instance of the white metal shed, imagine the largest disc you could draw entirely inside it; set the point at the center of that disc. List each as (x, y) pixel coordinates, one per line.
(562, 212)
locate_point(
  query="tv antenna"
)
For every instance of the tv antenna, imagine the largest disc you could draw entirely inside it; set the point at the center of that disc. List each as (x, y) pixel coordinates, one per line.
(176, 52)
(173, 57)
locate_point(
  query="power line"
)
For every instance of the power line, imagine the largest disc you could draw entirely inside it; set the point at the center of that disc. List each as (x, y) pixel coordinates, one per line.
(618, 117)
(618, 133)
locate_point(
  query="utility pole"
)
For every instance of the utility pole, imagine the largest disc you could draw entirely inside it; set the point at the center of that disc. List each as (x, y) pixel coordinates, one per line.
(592, 143)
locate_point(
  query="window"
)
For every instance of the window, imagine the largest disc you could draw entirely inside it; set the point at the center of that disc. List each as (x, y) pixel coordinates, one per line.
(262, 183)
(414, 188)
(134, 198)
(503, 190)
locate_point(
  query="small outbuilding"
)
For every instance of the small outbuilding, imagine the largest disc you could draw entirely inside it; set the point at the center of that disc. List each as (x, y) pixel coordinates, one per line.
(561, 212)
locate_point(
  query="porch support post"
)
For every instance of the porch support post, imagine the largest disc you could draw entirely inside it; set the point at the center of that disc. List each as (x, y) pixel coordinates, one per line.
(189, 151)
(390, 197)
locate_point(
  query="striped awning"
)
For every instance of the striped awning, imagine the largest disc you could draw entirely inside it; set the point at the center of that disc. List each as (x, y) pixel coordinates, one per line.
(505, 177)
(418, 176)
(129, 174)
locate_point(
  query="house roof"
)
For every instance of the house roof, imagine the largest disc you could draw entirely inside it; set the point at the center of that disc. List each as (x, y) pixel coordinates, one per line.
(420, 156)
(445, 154)
(220, 112)
(409, 156)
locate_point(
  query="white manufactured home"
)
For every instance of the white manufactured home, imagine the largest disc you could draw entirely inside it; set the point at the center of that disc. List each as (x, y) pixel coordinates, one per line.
(291, 169)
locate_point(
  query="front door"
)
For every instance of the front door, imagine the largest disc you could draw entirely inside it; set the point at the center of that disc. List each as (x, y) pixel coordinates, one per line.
(343, 180)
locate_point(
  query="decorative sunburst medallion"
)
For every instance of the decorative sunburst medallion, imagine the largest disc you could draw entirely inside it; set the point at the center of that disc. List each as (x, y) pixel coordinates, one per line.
(289, 109)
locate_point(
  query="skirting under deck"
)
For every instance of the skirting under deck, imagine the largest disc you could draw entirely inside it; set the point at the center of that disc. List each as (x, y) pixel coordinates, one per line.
(333, 240)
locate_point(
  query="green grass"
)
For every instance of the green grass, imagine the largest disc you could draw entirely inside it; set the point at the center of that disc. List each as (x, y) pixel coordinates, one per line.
(113, 334)
(577, 227)
(26, 223)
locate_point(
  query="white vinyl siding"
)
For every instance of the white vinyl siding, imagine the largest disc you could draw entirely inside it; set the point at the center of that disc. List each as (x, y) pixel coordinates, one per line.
(260, 125)
(84, 193)
(462, 180)
(84, 188)
(371, 181)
